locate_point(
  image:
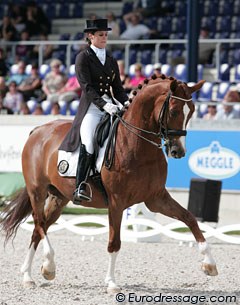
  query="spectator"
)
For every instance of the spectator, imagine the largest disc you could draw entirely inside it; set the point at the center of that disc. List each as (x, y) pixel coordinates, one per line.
(54, 81)
(71, 90)
(55, 109)
(25, 109)
(134, 29)
(137, 79)
(151, 8)
(123, 76)
(4, 109)
(3, 64)
(228, 111)
(211, 113)
(114, 25)
(157, 68)
(8, 31)
(3, 86)
(23, 51)
(47, 49)
(20, 76)
(17, 13)
(205, 53)
(38, 110)
(31, 86)
(92, 16)
(37, 21)
(13, 98)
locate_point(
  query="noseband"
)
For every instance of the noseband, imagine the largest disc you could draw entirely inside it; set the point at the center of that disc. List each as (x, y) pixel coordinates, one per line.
(164, 131)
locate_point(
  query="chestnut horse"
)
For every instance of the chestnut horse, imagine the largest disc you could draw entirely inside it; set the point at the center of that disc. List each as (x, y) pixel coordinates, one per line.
(157, 116)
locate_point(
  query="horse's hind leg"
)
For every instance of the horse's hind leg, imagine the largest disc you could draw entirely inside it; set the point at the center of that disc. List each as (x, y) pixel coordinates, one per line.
(27, 265)
(52, 211)
(53, 208)
(38, 234)
(166, 205)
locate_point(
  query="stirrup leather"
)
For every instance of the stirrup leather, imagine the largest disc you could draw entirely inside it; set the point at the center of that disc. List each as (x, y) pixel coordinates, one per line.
(82, 188)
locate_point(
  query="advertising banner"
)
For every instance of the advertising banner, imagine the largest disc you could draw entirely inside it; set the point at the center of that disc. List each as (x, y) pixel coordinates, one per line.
(12, 140)
(211, 155)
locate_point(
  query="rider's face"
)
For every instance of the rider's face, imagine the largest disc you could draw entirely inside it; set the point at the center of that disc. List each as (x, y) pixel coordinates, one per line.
(99, 39)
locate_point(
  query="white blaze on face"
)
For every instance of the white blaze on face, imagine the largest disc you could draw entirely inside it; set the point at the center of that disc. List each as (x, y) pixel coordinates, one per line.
(186, 111)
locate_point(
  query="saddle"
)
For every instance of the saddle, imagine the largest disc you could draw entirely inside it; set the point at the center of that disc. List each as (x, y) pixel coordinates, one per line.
(105, 129)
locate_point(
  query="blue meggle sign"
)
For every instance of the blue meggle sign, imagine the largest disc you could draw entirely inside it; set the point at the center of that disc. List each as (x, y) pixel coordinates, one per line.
(214, 162)
(211, 155)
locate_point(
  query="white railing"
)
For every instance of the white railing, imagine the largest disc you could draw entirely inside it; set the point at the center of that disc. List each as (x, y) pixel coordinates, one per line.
(137, 228)
(158, 43)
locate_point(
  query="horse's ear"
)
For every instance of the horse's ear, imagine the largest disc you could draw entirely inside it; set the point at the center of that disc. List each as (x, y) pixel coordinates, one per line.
(173, 85)
(197, 86)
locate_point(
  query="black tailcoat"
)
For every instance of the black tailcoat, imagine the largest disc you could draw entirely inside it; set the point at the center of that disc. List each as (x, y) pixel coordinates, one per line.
(95, 80)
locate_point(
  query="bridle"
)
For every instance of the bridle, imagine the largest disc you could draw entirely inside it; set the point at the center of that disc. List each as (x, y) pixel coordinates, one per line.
(164, 131)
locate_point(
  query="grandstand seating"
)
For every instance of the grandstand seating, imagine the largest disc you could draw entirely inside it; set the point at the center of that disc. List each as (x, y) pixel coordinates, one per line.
(206, 92)
(46, 107)
(222, 89)
(63, 107)
(180, 72)
(237, 73)
(166, 69)
(73, 107)
(224, 72)
(221, 16)
(71, 71)
(43, 70)
(28, 69)
(32, 104)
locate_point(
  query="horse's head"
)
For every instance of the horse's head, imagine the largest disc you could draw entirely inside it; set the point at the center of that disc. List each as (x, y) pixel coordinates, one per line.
(175, 113)
(162, 110)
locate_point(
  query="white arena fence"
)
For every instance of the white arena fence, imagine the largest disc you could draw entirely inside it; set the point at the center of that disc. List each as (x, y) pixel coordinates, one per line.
(125, 45)
(139, 225)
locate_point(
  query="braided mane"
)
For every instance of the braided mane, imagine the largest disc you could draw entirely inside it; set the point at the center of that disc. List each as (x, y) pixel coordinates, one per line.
(149, 81)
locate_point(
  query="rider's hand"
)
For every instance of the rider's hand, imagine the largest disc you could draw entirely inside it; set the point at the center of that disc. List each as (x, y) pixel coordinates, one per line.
(127, 103)
(110, 108)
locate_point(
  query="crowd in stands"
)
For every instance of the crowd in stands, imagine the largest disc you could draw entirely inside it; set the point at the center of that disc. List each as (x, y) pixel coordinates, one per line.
(57, 89)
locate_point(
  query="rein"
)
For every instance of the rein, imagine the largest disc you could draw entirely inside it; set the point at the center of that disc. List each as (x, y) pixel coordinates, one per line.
(164, 132)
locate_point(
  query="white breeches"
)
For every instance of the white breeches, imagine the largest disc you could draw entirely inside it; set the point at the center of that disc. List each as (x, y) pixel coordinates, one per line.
(89, 124)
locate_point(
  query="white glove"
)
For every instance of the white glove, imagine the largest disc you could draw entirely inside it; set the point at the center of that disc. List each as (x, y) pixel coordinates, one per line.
(110, 108)
(127, 103)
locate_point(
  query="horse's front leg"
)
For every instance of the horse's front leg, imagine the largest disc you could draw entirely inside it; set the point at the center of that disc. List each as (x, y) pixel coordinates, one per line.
(114, 245)
(110, 278)
(166, 205)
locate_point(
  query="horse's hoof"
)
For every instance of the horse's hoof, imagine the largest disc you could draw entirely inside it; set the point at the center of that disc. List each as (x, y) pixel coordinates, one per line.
(209, 269)
(29, 284)
(48, 275)
(113, 290)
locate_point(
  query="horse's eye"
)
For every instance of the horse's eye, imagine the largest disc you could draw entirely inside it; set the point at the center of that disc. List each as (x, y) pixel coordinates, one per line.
(173, 113)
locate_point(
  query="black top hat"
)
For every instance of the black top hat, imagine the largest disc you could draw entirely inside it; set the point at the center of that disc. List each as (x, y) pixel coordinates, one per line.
(97, 25)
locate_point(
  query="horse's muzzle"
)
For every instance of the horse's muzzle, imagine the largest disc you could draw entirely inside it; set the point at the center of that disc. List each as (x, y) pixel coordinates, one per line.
(177, 152)
(175, 149)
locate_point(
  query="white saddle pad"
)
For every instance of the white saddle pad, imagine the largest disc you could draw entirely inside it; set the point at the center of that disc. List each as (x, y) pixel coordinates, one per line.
(67, 161)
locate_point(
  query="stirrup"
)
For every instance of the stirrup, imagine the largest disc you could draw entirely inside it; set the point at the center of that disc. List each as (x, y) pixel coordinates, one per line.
(79, 195)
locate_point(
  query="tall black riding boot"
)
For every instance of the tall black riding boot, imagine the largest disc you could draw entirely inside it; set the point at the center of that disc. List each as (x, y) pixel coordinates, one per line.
(83, 171)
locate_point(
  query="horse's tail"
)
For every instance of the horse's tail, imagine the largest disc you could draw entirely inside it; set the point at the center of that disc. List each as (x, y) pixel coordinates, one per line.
(15, 213)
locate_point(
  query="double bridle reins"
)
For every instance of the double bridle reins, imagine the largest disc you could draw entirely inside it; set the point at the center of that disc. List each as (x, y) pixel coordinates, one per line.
(164, 131)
